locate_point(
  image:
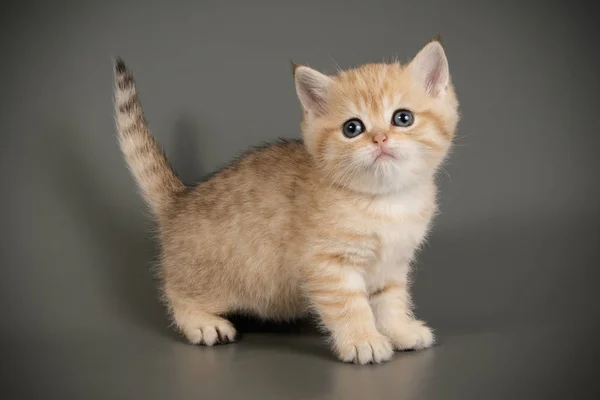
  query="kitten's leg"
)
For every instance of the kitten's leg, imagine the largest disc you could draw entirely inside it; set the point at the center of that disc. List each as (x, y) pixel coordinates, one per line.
(392, 308)
(339, 297)
(202, 327)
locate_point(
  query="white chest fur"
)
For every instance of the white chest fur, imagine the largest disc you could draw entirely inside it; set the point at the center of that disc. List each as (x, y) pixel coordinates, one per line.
(401, 223)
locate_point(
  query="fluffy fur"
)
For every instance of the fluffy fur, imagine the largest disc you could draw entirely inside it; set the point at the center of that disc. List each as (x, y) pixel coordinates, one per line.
(325, 226)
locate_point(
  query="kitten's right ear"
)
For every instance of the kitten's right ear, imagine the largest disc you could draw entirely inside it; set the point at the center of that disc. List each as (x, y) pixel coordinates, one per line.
(312, 88)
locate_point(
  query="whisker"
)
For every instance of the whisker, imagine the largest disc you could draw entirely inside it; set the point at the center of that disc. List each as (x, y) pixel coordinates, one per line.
(445, 171)
(337, 66)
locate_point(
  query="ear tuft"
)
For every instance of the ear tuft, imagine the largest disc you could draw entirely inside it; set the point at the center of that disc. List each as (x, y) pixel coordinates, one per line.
(294, 67)
(312, 88)
(430, 65)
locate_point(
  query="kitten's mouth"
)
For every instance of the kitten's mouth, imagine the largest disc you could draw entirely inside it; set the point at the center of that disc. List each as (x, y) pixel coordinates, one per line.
(384, 155)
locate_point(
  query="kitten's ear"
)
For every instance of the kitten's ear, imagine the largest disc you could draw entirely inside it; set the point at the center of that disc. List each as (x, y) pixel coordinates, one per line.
(312, 87)
(430, 66)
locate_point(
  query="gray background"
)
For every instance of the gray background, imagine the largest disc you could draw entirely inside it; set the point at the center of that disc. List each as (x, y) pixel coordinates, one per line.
(509, 278)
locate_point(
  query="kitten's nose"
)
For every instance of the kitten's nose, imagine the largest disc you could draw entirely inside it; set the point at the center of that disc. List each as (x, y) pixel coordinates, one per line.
(379, 138)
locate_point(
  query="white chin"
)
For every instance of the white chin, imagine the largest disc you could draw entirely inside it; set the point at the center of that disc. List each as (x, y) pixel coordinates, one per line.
(390, 175)
(382, 182)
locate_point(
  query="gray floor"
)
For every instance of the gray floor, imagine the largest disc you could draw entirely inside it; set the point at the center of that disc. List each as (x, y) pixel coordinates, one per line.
(524, 363)
(509, 279)
(538, 339)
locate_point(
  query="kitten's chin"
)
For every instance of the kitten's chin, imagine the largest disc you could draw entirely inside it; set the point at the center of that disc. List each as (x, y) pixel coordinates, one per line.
(388, 182)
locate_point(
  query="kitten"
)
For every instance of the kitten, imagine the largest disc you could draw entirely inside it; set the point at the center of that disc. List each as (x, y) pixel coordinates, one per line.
(325, 226)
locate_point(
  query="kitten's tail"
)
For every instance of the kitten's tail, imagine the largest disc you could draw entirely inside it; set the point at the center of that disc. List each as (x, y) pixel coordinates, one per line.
(156, 179)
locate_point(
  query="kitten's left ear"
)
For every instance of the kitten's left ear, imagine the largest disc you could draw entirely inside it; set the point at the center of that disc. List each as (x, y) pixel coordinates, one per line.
(430, 66)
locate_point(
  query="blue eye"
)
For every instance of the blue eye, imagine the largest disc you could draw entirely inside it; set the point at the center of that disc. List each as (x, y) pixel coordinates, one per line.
(403, 118)
(352, 128)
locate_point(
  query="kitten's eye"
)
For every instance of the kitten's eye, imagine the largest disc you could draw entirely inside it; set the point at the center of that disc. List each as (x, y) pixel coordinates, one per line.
(403, 118)
(352, 128)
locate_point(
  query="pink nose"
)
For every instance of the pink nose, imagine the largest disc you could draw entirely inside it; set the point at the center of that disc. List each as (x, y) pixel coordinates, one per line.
(379, 138)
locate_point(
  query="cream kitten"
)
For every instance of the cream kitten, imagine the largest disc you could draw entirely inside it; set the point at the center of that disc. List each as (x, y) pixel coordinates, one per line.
(328, 225)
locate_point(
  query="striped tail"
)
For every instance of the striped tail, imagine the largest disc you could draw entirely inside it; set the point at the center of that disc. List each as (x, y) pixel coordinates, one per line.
(156, 179)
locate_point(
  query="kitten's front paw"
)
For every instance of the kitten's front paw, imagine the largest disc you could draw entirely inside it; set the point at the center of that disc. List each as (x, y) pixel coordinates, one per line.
(411, 335)
(372, 350)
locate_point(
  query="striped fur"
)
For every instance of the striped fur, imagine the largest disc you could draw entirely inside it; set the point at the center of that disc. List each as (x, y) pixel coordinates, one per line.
(320, 226)
(155, 177)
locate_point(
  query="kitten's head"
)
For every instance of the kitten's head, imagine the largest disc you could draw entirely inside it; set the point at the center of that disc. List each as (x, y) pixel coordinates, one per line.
(380, 128)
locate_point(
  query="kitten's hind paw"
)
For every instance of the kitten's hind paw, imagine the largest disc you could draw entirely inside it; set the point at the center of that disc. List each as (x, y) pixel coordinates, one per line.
(374, 349)
(213, 331)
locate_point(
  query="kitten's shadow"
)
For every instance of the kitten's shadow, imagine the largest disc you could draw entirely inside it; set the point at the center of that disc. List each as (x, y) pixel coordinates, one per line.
(127, 246)
(188, 152)
(299, 336)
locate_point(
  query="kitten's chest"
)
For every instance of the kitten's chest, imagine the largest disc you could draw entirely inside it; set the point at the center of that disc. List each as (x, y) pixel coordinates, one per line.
(400, 224)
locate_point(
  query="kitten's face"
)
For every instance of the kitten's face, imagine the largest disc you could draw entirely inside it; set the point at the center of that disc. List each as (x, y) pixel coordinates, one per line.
(380, 128)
